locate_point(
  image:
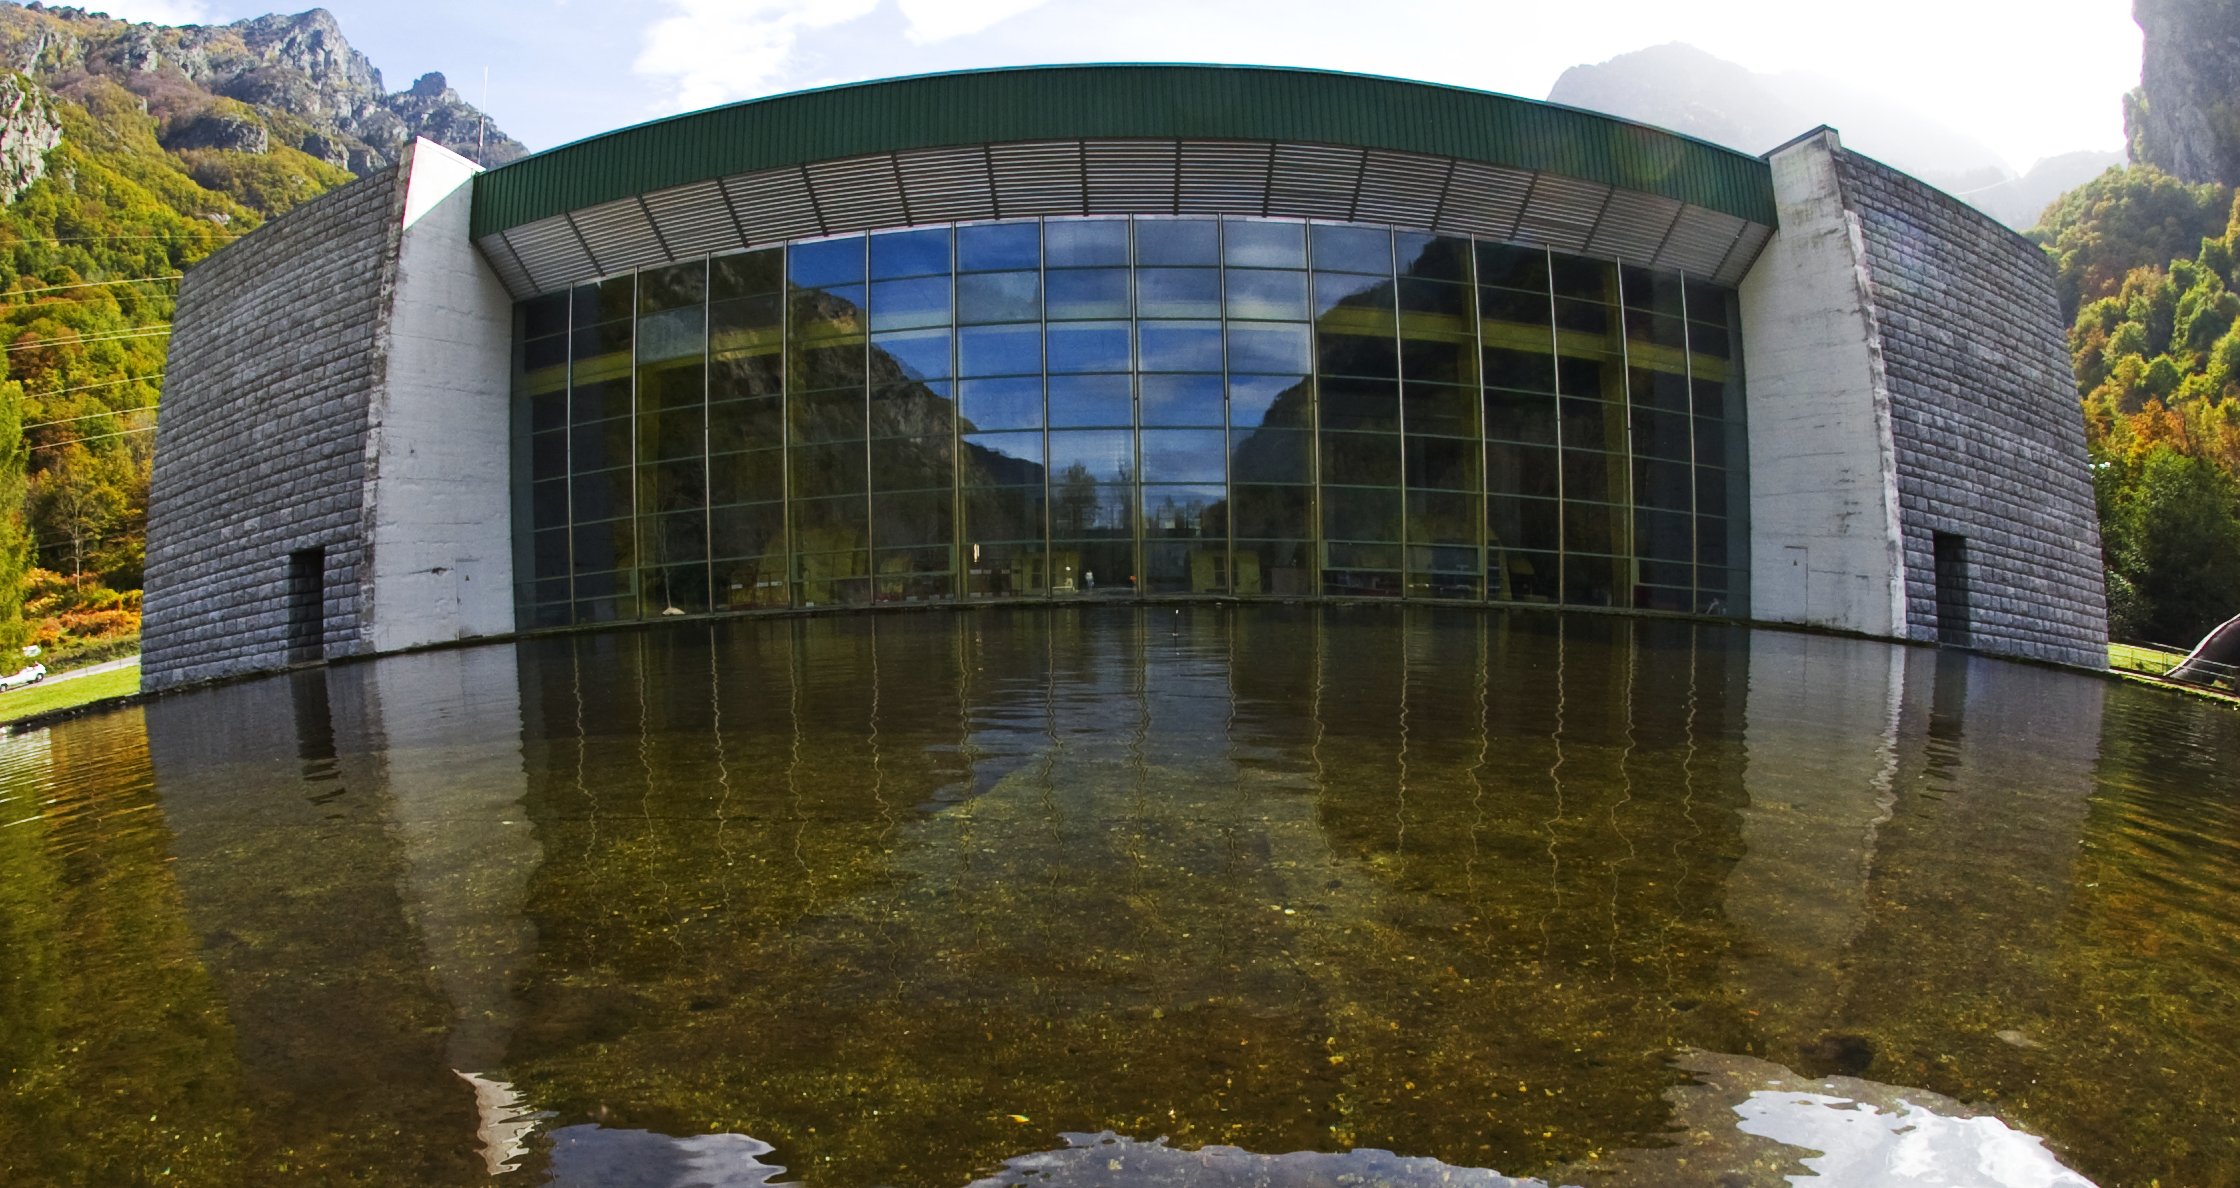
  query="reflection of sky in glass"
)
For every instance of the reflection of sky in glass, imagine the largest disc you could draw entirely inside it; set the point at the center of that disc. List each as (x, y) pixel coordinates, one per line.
(1107, 456)
(1183, 456)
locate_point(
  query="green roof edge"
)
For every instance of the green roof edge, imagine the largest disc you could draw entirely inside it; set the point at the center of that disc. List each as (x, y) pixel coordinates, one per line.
(1155, 102)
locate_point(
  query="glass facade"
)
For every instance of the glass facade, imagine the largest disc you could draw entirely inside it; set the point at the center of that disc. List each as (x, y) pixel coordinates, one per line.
(1098, 407)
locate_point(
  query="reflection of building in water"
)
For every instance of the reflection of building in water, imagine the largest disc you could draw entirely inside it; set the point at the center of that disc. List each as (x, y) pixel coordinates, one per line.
(279, 800)
(1907, 844)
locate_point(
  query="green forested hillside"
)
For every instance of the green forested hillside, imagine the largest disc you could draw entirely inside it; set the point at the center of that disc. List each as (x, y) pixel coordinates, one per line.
(2148, 268)
(127, 153)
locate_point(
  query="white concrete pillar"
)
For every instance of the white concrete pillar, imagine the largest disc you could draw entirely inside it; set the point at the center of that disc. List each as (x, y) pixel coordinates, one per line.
(438, 510)
(1824, 538)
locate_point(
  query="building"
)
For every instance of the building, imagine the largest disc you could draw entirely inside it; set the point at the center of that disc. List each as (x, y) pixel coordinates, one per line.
(1118, 332)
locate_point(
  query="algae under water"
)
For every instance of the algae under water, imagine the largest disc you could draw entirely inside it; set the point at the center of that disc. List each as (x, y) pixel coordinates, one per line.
(1127, 896)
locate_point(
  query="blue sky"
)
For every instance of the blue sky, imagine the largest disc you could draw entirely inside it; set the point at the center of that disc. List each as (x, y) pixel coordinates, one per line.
(2029, 78)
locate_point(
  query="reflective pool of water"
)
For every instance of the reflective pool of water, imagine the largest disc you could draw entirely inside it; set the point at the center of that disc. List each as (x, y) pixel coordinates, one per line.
(1130, 896)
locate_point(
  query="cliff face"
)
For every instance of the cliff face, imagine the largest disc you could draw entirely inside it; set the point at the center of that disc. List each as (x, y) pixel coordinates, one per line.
(270, 82)
(2185, 116)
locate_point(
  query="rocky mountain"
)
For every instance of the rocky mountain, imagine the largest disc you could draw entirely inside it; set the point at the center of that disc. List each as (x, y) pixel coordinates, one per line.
(128, 152)
(1683, 88)
(2185, 116)
(252, 86)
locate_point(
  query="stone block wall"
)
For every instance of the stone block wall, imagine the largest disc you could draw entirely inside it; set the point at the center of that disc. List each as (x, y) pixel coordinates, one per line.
(261, 436)
(1984, 419)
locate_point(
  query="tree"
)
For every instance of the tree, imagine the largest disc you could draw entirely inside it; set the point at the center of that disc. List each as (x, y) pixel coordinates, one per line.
(2170, 532)
(15, 538)
(75, 503)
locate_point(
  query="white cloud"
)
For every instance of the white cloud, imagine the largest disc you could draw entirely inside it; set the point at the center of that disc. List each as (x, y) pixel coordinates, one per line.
(939, 20)
(161, 12)
(712, 51)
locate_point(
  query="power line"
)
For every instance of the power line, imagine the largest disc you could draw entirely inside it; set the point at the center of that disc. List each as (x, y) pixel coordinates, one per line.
(97, 239)
(130, 280)
(25, 346)
(107, 412)
(56, 445)
(130, 379)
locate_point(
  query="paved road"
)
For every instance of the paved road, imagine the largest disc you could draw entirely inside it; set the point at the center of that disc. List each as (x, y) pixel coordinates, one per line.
(109, 666)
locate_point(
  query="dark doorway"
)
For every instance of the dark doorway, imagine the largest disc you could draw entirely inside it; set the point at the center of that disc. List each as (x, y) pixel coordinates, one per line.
(1952, 589)
(307, 605)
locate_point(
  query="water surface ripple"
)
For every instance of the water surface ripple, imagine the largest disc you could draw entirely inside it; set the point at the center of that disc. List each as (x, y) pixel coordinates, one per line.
(1130, 896)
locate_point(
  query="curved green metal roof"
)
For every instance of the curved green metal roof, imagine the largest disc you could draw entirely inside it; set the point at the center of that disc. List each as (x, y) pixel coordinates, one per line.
(1162, 102)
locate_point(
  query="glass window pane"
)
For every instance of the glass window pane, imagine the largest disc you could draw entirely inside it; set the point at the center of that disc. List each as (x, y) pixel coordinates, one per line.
(1249, 243)
(604, 301)
(540, 317)
(1589, 581)
(754, 324)
(904, 304)
(1090, 401)
(911, 355)
(1442, 463)
(828, 469)
(826, 262)
(754, 476)
(1594, 425)
(912, 409)
(999, 297)
(1668, 485)
(1276, 348)
(1352, 249)
(600, 445)
(1361, 513)
(1340, 291)
(675, 286)
(1001, 403)
(1450, 521)
(1587, 280)
(1668, 536)
(1594, 477)
(827, 416)
(1082, 243)
(910, 253)
(911, 464)
(1360, 404)
(1514, 575)
(1523, 523)
(1178, 293)
(1660, 435)
(673, 334)
(746, 274)
(1583, 317)
(735, 425)
(1268, 295)
(1089, 346)
(1277, 401)
(1521, 470)
(1184, 456)
(1513, 267)
(1597, 375)
(1508, 307)
(1665, 391)
(1182, 399)
(1282, 568)
(1080, 510)
(1002, 513)
(1177, 241)
(1100, 566)
(1361, 459)
(994, 246)
(1273, 512)
(1651, 289)
(1445, 360)
(912, 520)
(1433, 257)
(1357, 354)
(999, 350)
(1099, 456)
(1439, 409)
(1522, 370)
(1200, 512)
(1181, 346)
(1002, 459)
(1271, 456)
(1088, 293)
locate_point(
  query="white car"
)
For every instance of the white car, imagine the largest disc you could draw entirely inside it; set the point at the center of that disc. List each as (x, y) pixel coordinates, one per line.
(30, 675)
